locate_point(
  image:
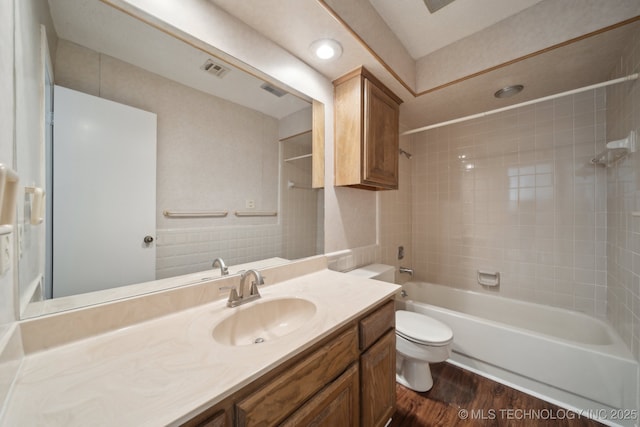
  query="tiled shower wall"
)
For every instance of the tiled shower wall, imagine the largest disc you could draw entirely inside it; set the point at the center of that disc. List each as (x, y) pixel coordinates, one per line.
(623, 205)
(515, 193)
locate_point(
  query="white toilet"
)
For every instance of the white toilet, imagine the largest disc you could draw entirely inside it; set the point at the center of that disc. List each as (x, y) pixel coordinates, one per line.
(420, 339)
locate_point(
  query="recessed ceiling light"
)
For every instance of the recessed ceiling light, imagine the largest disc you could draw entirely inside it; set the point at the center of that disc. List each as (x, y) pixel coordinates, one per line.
(326, 49)
(508, 91)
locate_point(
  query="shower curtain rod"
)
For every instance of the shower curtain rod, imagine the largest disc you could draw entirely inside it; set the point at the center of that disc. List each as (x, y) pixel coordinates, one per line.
(524, 104)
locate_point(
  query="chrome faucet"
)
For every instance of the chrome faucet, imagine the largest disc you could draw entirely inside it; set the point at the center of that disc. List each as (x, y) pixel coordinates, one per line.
(254, 285)
(409, 271)
(224, 270)
(236, 297)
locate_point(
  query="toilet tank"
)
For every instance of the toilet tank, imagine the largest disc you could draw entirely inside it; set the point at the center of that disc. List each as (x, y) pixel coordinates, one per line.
(382, 272)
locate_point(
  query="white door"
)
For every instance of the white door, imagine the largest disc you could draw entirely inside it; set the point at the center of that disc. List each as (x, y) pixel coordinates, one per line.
(104, 193)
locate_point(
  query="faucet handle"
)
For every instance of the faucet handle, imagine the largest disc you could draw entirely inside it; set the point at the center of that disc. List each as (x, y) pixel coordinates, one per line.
(254, 286)
(233, 295)
(259, 281)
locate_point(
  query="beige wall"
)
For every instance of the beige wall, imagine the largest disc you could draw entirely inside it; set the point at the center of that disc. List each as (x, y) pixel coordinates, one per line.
(623, 198)
(395, 210)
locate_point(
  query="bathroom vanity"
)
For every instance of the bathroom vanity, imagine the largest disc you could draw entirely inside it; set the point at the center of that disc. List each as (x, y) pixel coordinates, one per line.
(334, 365)
(347, 379)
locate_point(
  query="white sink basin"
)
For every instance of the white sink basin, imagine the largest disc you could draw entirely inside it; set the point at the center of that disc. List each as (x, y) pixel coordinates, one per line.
(264, 321)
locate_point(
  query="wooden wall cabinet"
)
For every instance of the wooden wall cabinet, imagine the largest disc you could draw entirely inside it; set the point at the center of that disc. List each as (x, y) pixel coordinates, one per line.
(337, 383)
(367, 132)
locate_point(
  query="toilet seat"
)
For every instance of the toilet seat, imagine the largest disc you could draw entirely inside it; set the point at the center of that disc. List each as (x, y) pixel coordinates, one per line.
(422, 329)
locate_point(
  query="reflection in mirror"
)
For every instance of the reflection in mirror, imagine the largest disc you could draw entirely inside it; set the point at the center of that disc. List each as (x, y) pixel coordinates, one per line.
(200, 160)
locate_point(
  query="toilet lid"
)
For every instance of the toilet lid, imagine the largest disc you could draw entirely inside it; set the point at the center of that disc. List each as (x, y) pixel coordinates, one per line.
(422, 329)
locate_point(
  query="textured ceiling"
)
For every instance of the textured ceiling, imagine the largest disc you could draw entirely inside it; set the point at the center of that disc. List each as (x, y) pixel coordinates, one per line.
(422, 32)
(485, 49)
(367, 40)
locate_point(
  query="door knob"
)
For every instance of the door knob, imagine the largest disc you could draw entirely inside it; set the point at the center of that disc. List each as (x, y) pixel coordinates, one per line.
(148, 239)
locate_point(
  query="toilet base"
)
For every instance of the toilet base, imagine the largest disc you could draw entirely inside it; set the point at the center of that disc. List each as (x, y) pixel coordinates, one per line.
(414, 374)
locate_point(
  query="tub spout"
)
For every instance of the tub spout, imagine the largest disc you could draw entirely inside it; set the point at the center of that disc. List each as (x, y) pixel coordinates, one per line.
(409, 271)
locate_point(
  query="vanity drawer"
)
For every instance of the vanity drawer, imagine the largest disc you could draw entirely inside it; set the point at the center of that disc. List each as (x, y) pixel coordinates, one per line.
(376, 324)
(280, 397)
(335, 406)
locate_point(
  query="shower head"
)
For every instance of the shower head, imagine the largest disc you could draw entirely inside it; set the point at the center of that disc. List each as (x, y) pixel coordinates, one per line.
(408, 155)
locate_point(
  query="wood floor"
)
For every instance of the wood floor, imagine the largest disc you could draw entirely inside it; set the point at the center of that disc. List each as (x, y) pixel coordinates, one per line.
(462, 398)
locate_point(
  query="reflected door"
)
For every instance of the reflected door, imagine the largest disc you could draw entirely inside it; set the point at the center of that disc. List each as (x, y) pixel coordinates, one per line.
(104, 194)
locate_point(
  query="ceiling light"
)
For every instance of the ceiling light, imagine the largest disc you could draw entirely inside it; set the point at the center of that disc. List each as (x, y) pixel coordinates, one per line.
(508, 91)
(326, 49)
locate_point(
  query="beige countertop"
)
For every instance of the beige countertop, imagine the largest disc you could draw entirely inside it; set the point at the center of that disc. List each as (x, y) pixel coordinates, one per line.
(166, 370)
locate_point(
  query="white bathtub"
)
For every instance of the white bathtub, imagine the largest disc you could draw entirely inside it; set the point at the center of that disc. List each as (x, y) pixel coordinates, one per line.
(570, 358)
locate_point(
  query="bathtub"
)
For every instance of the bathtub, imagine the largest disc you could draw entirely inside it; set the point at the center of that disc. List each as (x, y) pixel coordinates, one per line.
(572, 359)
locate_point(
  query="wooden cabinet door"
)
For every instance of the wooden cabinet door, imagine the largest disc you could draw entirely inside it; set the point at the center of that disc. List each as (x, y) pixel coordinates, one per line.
(301, 381)
(376, 324)
(335, 406)
(378, 382)
(381, 137)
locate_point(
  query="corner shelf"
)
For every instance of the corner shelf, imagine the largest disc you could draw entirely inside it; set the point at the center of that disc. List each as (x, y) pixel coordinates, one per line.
(304, 156)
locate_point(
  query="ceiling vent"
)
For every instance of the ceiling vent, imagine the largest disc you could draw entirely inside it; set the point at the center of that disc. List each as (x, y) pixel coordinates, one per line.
(436, 5)
(214, 68)
(273, 90)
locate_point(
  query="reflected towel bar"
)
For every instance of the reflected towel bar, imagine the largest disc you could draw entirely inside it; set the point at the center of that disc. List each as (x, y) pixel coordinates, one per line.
(195, 214)
(256, 213)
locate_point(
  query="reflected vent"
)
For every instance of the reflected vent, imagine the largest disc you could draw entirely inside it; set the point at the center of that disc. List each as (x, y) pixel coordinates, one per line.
(273, 90)
(214, 68)
(436, 5)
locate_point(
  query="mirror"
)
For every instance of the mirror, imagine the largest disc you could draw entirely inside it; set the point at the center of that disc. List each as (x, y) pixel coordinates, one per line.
(229, 168)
